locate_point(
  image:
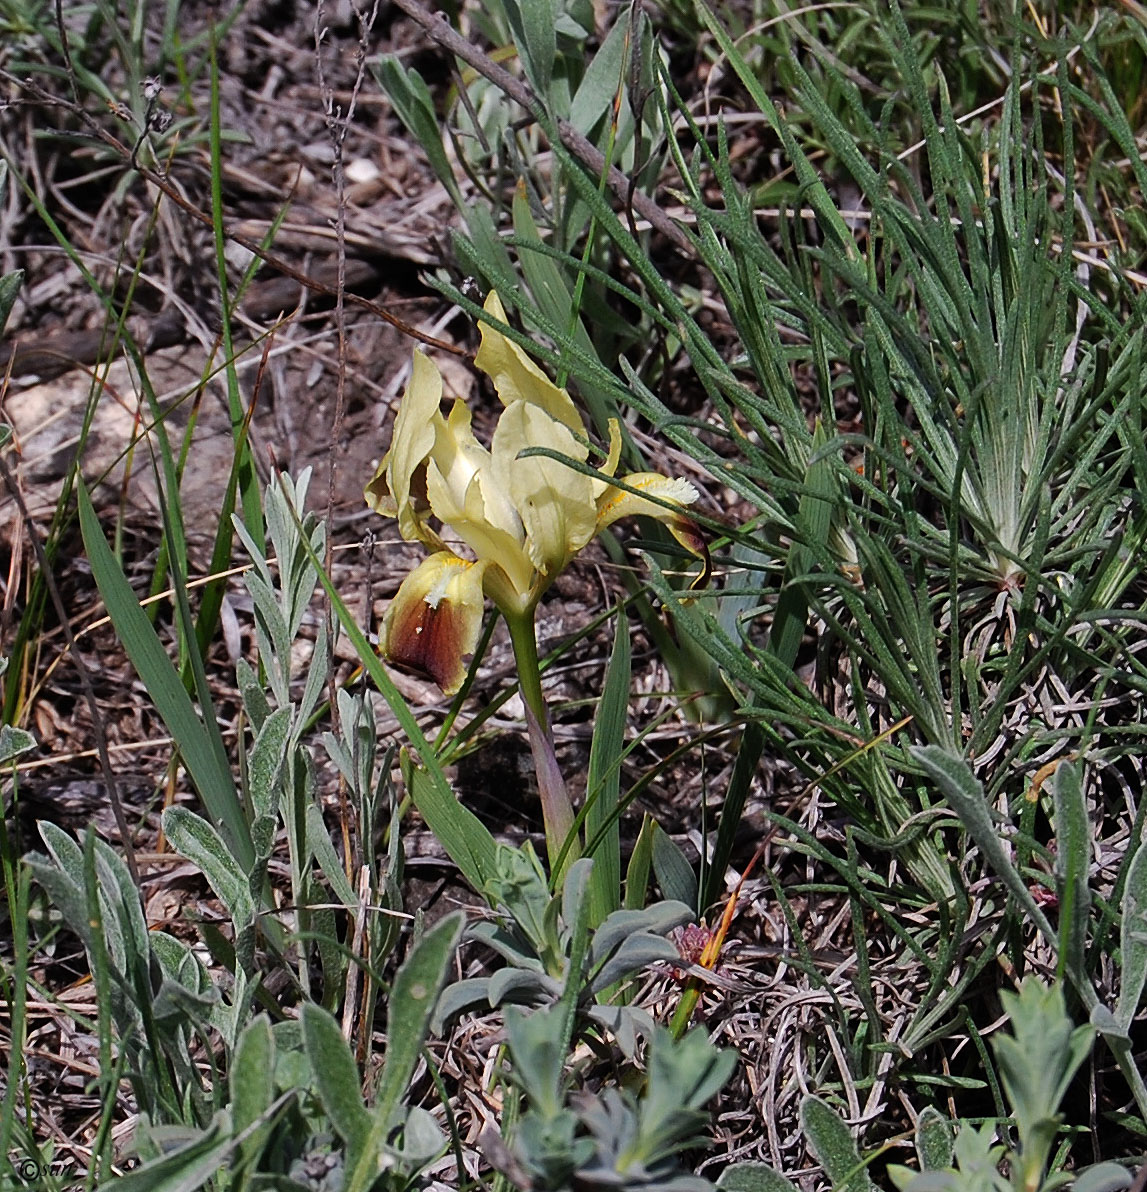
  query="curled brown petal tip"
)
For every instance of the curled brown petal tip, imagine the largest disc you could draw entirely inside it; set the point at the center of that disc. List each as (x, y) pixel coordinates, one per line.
(689, 534)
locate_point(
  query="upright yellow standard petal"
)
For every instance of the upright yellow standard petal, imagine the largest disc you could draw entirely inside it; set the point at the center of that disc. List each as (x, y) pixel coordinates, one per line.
(555, 503)
(516, 377)
(503, 548)
(462, 460)
(397, 489)
(470, 496)
(616, 503)
(435, 617)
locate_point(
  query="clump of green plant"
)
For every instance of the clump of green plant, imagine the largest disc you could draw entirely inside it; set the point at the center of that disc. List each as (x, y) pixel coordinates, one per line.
(572, 977)
(280, 1100)
(934, 412)
(936, 424)
(553, 953)
(1038, 1059)
(1071, 872)
(623, 1137)
(532, 234)
(163, 1010)
(276, 1095)
(525, 208)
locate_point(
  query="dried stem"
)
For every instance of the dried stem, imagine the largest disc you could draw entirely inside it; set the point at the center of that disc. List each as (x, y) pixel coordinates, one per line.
(584, 150)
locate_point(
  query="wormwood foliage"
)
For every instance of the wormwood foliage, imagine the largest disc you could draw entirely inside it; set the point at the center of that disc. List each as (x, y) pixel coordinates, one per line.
(281, 1096)
(1038, 1061)
(553, 955)
(572, 977)
(620, 1137)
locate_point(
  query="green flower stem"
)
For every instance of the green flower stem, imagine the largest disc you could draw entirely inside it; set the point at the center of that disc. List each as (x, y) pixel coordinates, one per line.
(557, 810)
(683, 1014)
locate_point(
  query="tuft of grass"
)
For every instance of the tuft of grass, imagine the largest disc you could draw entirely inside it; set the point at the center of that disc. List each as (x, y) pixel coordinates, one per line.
(930, 405)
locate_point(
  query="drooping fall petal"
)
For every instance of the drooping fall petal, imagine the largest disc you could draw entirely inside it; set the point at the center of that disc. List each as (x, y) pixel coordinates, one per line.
(435, 618)
(516, 377)
(616, 503)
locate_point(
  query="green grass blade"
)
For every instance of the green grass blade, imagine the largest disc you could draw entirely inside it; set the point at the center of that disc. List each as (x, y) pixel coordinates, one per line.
(640, 866)
(194, 838)
(14, 983)
(754, 1177)
(814, 522)
(414, 106)
(740, 783)
(205, 761)
(251, 1080)
(1133, 941)
(1073, 836)
(413, 997)
(248, 478)
(534, 25)
(934, 1140)
(965, 795)
(603, 782)
(187, 1169)
(816, 192)
(9, 287)
(552, 293)
(675, 875)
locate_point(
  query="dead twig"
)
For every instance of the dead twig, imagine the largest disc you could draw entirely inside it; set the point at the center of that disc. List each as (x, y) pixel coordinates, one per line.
(585, 151)
(186, 205)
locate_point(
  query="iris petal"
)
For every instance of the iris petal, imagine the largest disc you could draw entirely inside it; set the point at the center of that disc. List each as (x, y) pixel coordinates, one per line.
(470, 495)
(612, 459)
(616, 503)
(462, 460)
(398, 487)
(435, 618)
(555, 503)
(517, 378)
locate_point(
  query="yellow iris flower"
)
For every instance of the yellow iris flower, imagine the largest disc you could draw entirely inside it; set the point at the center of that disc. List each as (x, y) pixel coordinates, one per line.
(499, 525)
